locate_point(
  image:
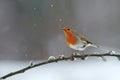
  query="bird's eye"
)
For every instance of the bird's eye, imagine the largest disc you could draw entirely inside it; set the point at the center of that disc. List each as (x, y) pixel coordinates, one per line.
(68, 29)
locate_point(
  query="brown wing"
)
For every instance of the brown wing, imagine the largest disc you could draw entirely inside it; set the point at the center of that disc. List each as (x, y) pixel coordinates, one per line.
(84, 39)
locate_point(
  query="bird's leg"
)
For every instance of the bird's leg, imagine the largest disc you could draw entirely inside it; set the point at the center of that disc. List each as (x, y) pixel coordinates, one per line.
(83, 55)
(75, 52)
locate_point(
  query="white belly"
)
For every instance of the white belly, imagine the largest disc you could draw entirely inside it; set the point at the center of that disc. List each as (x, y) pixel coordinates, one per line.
(79, 47)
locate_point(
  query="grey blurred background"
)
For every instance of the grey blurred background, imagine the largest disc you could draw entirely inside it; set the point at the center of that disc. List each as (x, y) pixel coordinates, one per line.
(29, 29)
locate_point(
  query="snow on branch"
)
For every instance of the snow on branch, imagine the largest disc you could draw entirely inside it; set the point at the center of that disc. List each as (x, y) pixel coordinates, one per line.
(52, 59)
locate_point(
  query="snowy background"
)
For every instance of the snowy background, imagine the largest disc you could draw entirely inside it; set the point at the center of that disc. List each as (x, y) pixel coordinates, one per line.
(30, 31)
(66, 70)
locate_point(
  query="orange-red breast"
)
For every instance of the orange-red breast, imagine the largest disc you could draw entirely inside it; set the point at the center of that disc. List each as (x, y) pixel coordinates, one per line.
(76, 41)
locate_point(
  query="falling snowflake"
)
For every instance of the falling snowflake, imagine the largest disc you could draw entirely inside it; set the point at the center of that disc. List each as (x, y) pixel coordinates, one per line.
(51, 5)
(34, 8)
(60, 19)
(34, 25)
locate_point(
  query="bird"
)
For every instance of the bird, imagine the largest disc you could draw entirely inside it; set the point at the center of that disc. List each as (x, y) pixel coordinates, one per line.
(76, 40)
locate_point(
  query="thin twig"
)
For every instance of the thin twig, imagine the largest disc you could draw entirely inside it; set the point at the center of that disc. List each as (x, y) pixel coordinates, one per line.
(60, 58)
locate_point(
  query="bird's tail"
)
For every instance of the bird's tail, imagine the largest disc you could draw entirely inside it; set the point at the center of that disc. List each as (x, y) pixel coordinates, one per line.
(96, 46)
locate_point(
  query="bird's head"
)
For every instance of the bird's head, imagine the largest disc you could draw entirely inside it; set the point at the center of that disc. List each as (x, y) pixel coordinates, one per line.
(69, 35)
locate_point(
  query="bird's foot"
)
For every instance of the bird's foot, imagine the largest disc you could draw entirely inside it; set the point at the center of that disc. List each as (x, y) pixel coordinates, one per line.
(75, 52)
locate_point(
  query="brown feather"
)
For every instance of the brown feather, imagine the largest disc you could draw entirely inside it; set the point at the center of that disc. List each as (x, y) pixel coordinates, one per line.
(84, 39)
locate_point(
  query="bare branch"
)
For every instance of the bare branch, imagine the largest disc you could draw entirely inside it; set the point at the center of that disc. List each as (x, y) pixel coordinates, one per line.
(60, 58)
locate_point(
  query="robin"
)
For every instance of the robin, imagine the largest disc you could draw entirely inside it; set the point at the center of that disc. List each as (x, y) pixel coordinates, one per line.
(76, 41)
